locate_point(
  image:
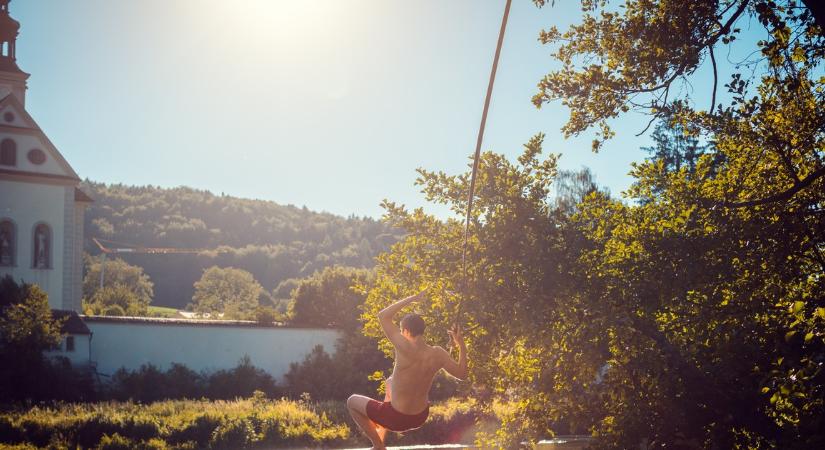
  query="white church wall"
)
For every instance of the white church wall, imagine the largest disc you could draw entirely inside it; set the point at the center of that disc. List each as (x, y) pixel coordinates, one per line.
(26, 142)
(117, 343)
(28, 204)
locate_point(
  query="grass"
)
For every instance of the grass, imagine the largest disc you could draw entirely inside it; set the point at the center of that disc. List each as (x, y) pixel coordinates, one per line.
(255, 422)
(173, 424)
(163, 311)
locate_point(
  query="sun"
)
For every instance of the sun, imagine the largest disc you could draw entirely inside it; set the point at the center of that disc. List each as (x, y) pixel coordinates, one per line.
(278, 25)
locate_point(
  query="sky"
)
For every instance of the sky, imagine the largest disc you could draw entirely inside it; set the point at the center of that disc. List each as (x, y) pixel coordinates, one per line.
(327, 104)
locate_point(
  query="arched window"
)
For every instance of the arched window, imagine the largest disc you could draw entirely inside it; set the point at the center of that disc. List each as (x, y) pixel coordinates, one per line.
(42, 257)
(8, 242)
(8, 152)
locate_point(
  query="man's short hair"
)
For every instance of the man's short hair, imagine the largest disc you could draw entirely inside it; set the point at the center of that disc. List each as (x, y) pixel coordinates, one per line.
(413, 323)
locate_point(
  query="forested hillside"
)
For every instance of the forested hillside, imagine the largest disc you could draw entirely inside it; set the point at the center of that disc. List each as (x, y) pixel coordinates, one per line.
(274, 242)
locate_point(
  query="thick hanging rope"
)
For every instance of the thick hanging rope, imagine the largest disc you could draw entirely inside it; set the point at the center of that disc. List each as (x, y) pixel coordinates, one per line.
(478, 154)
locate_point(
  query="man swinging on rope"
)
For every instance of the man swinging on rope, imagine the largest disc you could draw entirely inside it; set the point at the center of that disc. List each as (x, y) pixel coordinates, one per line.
(406, 404)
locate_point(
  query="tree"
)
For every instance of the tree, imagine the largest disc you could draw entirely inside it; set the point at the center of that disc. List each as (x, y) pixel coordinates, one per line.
(516, 272)
(27, 329)
(126, 289)
(572, 187)
(335, 297)
(738, 235)
(232, 292)
(115, 300)
(658, 323)
(641, 56)
(329, 299)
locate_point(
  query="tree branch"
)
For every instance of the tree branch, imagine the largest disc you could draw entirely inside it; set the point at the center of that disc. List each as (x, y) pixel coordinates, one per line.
(782, 196)
(725, 29)
(715, 79)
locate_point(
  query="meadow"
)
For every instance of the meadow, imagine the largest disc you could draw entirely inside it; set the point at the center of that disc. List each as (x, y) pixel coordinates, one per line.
(255, 422)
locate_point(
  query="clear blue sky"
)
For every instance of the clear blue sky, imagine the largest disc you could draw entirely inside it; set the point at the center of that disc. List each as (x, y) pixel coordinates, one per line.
(329, 104)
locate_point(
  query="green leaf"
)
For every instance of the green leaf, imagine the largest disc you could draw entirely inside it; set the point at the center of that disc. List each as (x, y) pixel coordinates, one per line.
(809, 336)
(789, 335)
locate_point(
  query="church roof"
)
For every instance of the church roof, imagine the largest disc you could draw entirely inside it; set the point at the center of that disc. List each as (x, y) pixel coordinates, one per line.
(31, 127)
(186, 322)
(80, 196)
(73, 324)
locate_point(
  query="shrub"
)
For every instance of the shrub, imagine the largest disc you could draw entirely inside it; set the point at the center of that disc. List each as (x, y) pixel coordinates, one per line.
(92, 430)
(140, 427)
(146, 384)
(115, 442)
(199, 431)
(313, 376)
(183, 382)
(149, 384)
(355, 359)
(241, 381)
(232, 434)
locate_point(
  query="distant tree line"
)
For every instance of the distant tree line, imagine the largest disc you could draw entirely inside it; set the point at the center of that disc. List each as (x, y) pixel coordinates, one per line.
(275, 243)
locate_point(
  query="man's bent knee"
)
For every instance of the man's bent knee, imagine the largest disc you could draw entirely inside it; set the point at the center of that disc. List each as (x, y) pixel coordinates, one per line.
(357, 403)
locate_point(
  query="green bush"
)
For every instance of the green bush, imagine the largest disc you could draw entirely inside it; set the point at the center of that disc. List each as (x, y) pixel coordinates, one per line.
(233, 433)
(115, 442)
(150, 384)
(241, 381)
(92, 430)
(198, 431)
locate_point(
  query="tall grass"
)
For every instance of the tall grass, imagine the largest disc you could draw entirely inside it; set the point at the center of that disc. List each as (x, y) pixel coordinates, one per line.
(173, 424)
(255, 422)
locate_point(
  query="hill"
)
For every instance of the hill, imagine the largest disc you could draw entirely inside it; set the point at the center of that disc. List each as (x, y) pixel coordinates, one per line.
(274, 242)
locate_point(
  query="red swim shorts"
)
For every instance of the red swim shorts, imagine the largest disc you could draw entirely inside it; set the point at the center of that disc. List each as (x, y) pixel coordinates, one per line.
(385, 415)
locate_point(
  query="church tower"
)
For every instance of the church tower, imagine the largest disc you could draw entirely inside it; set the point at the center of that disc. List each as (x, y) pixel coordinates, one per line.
(12, 79)
(41, 204)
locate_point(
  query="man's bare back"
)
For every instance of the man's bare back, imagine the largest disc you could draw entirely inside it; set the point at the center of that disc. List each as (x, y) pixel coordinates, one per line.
(416, 364)
(413, 376)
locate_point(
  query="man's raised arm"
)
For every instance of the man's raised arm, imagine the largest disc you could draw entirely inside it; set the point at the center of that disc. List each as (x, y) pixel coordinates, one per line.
(455, 368)
(385, 319)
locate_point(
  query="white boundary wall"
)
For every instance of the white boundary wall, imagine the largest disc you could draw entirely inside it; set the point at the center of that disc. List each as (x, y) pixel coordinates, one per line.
(200, 345)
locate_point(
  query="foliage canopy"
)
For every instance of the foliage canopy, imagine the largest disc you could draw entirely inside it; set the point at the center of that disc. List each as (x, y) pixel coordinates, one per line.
(229, 291)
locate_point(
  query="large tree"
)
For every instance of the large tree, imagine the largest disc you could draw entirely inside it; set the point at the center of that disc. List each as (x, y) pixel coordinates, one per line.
(27, 329)
(738, 234)
(126, 290)
(227, 291)
(329, 299)
(515, 270)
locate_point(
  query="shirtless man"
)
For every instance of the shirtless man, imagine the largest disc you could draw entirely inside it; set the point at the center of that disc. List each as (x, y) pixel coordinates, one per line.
(406, 404)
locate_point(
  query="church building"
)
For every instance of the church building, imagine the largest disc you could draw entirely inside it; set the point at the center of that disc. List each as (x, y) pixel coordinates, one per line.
(41, 205)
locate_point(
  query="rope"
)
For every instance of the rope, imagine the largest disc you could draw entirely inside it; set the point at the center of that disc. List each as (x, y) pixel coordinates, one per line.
(478, 153)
